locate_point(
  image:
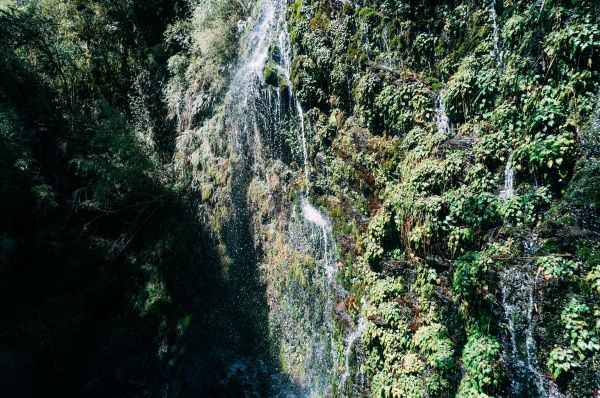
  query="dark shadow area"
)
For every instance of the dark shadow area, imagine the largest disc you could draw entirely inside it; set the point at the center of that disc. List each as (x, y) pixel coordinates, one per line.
(110, 286)
(74, 325)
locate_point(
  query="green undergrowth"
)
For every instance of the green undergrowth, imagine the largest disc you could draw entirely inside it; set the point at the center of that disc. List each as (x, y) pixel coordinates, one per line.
(425, 209)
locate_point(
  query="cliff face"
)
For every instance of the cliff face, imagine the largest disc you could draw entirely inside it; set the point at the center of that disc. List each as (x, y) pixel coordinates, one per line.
(453, 138)
(452, 147)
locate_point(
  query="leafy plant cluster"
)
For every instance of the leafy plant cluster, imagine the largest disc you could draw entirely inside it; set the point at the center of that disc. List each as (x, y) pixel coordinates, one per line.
(581, 337)
(556, 267)
(402, 364)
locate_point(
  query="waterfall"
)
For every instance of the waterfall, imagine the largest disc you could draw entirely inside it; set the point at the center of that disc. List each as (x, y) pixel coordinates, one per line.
(508, 189)
(286, 55)
(498, 51)
(332, 290)
(441, 117)
(312, 215)
(241, 99)
(517, 286)
(247, 113)
(303, 140)
(255, 115)
(326, 367)
(351, 340)
(596, 118)
(592, 140)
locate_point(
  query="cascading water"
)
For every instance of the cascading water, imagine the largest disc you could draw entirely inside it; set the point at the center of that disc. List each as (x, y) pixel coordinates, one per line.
(596, 119)
(351, 341)
(333, 291)
(322, 376)
(256, 117)
(303, 139)
(441, 117)
(518, 285)
(251, 119)
(286, 55)
(308, 306)
(508, 189)
(247, 104)
(327, 370)
(243, 96)
(498, 51)
(313, 216)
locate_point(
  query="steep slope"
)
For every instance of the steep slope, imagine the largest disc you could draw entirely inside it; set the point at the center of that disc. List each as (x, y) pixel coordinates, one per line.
(222, 198)
(453, 147)
(450, 139)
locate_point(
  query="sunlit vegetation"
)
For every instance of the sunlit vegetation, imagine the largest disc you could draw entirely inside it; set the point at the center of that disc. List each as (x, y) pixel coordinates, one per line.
(521, 89)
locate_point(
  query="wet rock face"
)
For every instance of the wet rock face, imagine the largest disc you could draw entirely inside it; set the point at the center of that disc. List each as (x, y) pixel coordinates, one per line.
(519, 285)
(434, 175)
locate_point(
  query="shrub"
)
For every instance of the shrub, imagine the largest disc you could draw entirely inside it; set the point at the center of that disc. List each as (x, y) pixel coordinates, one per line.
(403, 106)
(547, 157)
(469, 283)
(580, 334)
(433, 342)
(578, 42)
(481, 359)
(555, 267)
(561, 360)
(385, 289)
(471, 90)
(593, 277)
(366, 91)
(526, 208)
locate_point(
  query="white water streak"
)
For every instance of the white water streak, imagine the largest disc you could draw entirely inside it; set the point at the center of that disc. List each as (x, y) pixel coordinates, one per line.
(498, 51)
(508, 189)
(314, 216)
(286, 53)
(351, 340)
(311, 214)
(441, 117)
(518, 285)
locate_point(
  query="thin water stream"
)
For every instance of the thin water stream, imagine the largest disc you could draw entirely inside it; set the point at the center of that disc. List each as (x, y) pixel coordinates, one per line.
(442, 121)
(322, 361)
(285, 68)
(351, 341)
(518, 288)
(508, 190)
(498, 50)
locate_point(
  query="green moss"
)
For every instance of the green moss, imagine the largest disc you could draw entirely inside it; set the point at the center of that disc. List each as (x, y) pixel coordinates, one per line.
(584, 190)
(207, 191)
(271, 74)
(568, 220)
(297, 10)
(434, 82)
(421, 197)
(369, 14)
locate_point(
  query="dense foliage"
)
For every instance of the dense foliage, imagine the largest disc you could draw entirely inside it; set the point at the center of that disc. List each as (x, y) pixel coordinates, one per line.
(431, 107)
